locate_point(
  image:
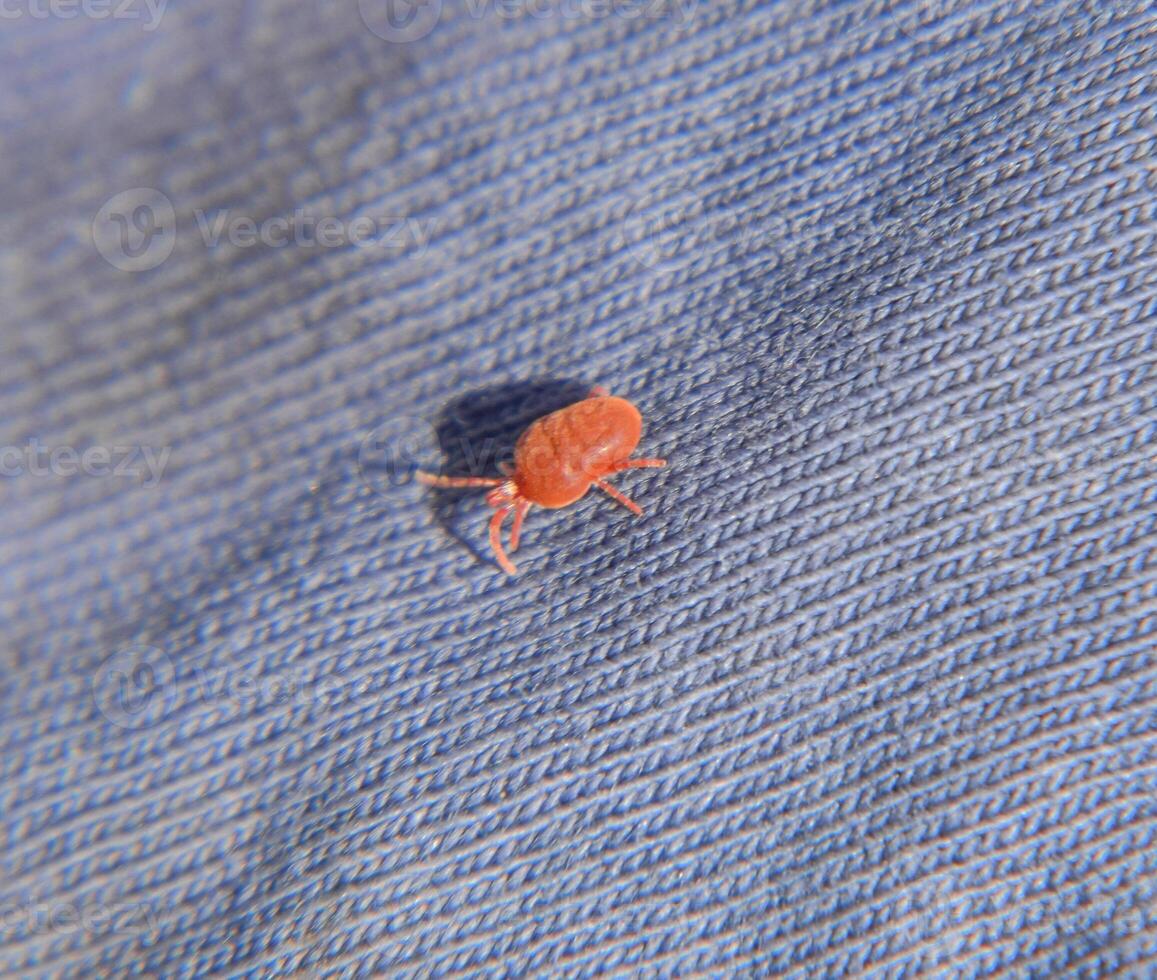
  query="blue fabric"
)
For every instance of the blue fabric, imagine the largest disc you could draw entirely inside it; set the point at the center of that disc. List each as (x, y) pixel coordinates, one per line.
(870, 689)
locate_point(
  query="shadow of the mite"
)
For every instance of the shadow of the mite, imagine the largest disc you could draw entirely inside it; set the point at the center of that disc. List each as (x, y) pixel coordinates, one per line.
(476, 433)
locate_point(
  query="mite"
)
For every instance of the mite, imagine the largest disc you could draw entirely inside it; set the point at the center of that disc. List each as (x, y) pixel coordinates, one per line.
(558, 459)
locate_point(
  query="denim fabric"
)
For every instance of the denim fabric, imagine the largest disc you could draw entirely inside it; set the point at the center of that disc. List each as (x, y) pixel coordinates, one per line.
(870, 689)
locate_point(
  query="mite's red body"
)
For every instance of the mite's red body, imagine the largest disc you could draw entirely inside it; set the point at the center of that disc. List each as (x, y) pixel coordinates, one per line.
(557, 460)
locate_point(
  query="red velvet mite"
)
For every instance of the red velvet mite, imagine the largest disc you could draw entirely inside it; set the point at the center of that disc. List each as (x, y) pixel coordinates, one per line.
(557, 460)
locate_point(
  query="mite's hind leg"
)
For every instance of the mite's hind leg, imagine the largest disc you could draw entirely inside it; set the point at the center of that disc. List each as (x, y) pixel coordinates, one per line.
(496, 540)
(520, 509)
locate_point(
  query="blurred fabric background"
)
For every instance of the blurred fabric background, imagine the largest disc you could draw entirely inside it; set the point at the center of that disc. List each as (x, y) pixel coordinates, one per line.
(870, 690)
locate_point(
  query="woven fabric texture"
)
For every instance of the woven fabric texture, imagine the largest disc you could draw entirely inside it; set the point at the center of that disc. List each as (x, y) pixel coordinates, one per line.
(870, 690)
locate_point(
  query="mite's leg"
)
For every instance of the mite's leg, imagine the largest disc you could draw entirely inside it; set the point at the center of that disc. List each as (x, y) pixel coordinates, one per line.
(598, 391)
(520, 509)
(620, 497)
(496, 540)
(632, 464)
(433, 480)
